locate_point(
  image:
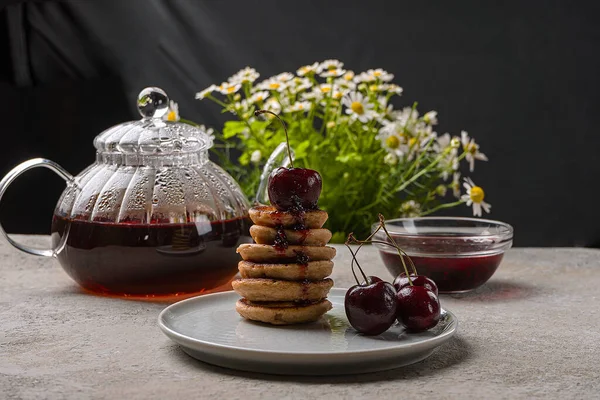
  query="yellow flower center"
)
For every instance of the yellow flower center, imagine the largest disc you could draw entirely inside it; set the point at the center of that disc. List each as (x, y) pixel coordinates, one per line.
(471, 148)
(392, 142)
(377, 73)
(357, 107)
(477, 194)
(325, 89)
(172, 116)
(412, 141)
(274, 85)
(300, 106)
(349, 76)
(230, 89)
(331, 67)
(373, 88)
(337, 95)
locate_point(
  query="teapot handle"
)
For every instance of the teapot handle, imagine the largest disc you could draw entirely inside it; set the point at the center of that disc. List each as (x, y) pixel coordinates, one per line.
(278, 158)
(14, 174)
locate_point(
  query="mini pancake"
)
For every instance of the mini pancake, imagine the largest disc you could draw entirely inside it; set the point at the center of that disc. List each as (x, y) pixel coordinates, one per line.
(281, 304)
(277, 290)
(269, 216)
(312, 271)
(307, 237)
(282, 315)
(267, 253)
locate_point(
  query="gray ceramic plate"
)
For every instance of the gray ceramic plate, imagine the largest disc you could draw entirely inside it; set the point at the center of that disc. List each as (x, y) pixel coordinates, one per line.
(208, 328)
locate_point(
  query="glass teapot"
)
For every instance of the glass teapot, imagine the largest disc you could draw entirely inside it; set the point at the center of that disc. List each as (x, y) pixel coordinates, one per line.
(153, 216)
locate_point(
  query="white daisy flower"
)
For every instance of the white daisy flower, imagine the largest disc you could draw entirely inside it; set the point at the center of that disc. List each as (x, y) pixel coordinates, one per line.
(390, 159)
(245, 75)
(272, 105)
(255, 156)
(358, 107)
(334, 72)
(387, 107)
(272, 84)
(472, 150)
(307, 69)
(417, 144)
(299, 106)
(329, 65)
(316, 94)
(378, 87)
(297, 85)
(455, 185)
(337, 95)
(258, 97)
(364, 77)
(449, 163)
(392, 139)
(443, 141)
(395, 89)
(475, 196)
(284, 77)
(228, 88)
(325, 88)
(381, 74)
(344, 85)
(430, 118)
(202, 94)
(348, 76)
(173, 114)
(407, 117)
(410, 209)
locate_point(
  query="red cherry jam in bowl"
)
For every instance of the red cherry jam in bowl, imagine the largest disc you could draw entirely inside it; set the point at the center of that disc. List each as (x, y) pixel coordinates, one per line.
(458, 254)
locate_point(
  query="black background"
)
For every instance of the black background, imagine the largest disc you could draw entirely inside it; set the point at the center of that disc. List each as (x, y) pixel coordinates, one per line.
(521, 77)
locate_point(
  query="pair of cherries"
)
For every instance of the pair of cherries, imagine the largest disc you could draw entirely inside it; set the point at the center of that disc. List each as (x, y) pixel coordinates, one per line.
(373, 306)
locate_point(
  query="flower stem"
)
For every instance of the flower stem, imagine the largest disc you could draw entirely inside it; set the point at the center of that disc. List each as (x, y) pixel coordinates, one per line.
(441, 207)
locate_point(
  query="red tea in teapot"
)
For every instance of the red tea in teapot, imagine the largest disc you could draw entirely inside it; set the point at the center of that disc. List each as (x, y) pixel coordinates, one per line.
(150, 260)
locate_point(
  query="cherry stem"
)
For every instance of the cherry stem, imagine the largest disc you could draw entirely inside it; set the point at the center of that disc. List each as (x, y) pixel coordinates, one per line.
(391, 239)
(352, 265)
(287, 139)
(361, 242)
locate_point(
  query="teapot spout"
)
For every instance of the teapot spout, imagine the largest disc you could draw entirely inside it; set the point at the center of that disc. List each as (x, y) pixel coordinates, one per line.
(278, 158)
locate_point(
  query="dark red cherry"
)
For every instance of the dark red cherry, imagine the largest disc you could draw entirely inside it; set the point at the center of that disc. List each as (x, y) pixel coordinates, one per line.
(417, 280)
(371, 309)
(294, 188)
(418, 308)
(372, 279)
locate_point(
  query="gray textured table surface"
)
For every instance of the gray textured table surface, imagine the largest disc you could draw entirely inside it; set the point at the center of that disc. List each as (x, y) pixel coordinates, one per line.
(532, 332)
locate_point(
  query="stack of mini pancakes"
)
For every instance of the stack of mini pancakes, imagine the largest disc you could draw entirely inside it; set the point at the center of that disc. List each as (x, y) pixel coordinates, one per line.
(284, 275)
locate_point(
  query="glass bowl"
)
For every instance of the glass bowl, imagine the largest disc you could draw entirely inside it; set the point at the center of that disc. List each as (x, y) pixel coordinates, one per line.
(458, 254)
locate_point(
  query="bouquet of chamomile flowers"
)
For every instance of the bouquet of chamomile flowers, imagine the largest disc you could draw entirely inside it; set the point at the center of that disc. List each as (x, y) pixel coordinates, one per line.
(373, 158)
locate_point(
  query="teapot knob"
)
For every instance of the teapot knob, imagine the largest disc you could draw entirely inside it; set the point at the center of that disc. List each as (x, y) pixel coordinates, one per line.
(153, 102)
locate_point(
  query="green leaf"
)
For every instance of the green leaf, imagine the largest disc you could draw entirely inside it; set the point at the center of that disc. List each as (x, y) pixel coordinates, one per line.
(300, 150)
(233, 128)
(244, 158)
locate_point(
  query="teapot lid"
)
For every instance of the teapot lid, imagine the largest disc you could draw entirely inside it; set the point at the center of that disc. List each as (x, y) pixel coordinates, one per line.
(132, 142)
